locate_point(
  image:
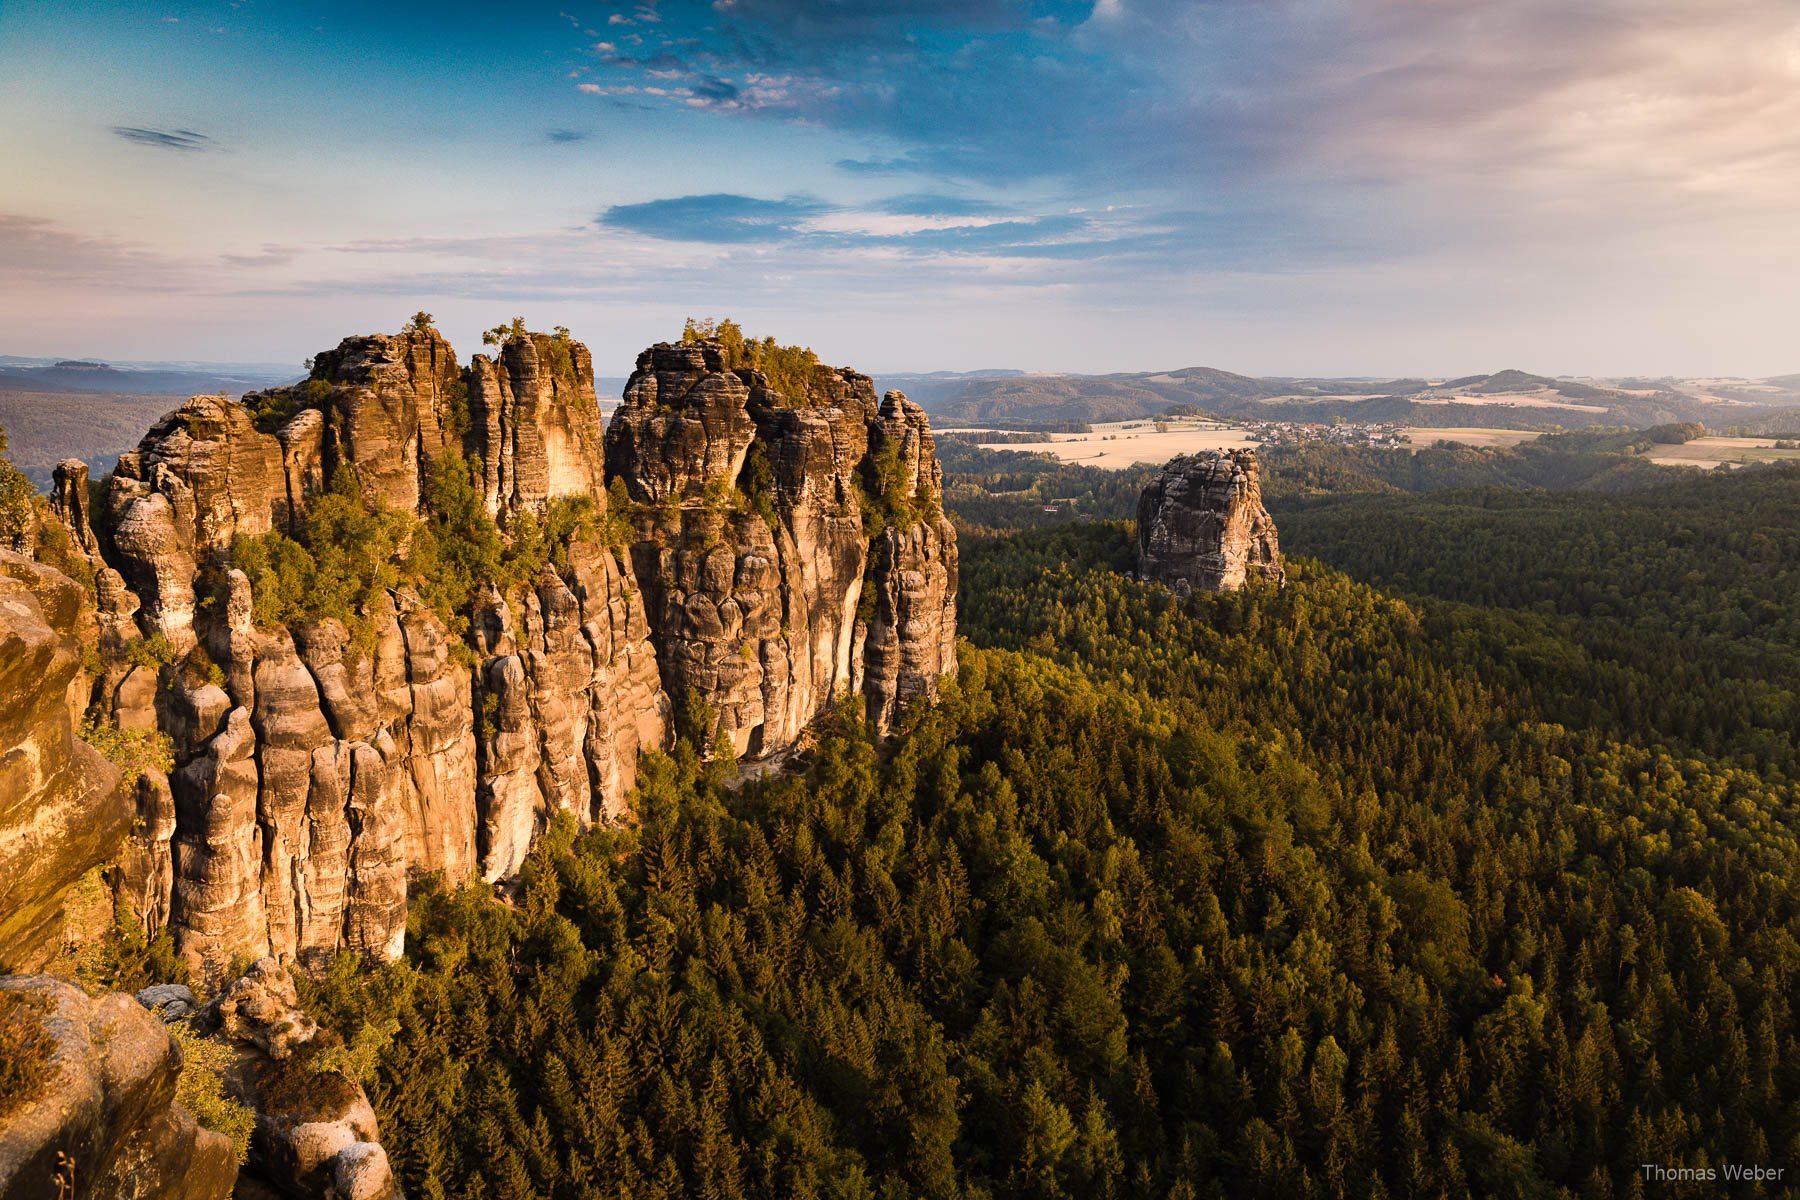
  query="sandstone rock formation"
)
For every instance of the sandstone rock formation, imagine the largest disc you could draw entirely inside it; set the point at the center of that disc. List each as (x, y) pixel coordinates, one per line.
(766, 595)
(535, 422)
(391, 409)
(1202, 525)
(60, 815)
(106, 1125)
(316, 1136)
(783, 553)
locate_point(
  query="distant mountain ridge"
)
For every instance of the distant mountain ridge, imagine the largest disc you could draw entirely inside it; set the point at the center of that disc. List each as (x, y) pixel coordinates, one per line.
(95, 410)
(928, 389)
(1506, 398)
(91, 376)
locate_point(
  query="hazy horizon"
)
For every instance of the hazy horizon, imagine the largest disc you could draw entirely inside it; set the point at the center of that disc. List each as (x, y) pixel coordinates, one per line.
(602, 371)
(1357, 188)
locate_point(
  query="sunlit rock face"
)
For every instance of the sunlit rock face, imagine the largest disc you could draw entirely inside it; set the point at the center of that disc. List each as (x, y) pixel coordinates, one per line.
(60, 814)
(1202, 525)
(769, 591)
(107, 1125)
(535, 423)
(777, 556)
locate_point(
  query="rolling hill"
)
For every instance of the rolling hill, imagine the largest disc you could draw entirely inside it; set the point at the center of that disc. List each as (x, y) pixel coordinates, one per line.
(1509, 398)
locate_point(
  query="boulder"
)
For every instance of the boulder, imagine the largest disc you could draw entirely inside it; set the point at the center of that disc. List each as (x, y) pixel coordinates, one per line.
(316, 1136)
(106, 1125)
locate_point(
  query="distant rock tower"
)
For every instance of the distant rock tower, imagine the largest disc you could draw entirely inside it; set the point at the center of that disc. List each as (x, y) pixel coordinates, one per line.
(1202, 525)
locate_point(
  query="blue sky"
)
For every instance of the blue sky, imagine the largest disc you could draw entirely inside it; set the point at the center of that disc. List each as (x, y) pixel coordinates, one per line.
(1271, 186)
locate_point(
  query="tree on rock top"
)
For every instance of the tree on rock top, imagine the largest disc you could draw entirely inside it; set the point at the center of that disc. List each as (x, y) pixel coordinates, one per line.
(788, 369)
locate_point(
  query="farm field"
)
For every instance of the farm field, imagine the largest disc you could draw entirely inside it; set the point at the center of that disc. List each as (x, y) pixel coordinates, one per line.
(1423, 436)
(1116, 445)
(1707, 453)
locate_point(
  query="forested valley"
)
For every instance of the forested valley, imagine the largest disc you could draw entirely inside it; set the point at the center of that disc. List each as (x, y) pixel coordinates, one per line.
(1465, 865)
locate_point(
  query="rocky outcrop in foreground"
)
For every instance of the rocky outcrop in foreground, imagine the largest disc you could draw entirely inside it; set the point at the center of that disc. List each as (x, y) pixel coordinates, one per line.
(105, 1124)
(774, 554)
(316, 1136)
(1201, 525)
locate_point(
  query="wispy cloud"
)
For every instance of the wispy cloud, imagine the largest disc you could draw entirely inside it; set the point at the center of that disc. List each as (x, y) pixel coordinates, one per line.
(945, 229)
(566, 137)
(164, 139)
(270, 255)
(719, 217)
(36, 253)
(927, 204)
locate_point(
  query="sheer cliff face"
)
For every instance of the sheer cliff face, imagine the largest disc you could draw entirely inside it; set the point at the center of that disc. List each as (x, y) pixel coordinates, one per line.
(1202, 525)
(392, 411)
(317, 769)
(535, 423)
(316, 773)
(766, 598)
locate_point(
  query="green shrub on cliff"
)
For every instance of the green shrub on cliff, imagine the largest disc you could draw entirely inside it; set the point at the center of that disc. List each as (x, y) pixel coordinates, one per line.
(458, 545)
(274, 408)
(620, 508)
(15, 498)
(567, 519)
(127, 959)
(200, 1088)
(562, 362)
(133, 751)
(457, 420)
(882, 493)
(55, 548)
(757, 483)
(790, 370)
(505, 334)
(350, 554)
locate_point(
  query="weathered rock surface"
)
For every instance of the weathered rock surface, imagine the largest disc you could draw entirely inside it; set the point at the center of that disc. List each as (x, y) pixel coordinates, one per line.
(784, 553)
(60, 814)
(535, 422)
(109, 1111)
(390, 411)
(762, 591)
(316, 1136)
(1202, 525)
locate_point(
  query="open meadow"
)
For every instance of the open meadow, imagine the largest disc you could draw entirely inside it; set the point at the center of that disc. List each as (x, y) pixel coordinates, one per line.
(1116, 445)
(1423, 436)
(1710, 452)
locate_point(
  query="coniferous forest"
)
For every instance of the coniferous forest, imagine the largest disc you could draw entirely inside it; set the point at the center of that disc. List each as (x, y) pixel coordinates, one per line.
(970, 600)
(1465, 865)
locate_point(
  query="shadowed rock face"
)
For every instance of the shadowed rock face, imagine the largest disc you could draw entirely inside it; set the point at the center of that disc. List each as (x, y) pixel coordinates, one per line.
(60, 815)
(1202, 525)
(316, 773)
(770, 621)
